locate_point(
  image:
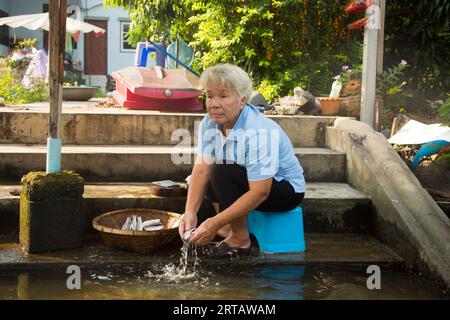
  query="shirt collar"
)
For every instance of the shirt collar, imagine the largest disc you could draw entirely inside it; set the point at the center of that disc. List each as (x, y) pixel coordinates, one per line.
(240, 123)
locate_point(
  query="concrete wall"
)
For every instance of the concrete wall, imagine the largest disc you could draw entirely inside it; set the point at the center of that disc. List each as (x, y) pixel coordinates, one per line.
(406, 218)
(135, 127)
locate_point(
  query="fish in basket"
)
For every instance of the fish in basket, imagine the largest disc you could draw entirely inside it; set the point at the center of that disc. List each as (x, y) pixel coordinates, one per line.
(110, 226)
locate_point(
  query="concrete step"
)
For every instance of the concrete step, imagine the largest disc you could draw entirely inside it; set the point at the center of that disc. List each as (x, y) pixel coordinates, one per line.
(145, 163)
(83, 123)
(327, 207)
(343, 250)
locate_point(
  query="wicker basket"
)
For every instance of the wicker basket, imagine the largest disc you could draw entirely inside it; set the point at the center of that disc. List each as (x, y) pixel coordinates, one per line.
(109, 224)
(350, 106)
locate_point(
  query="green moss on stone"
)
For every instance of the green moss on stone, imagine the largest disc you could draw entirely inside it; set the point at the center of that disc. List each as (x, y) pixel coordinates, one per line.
(38, 185)
(24, 233)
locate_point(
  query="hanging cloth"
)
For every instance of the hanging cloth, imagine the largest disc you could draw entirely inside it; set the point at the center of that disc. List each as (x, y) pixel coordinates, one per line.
(69, 47)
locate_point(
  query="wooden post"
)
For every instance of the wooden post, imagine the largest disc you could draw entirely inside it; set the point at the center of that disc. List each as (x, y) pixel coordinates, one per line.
(369, 75)
(380, 66)
(57, 34)
(177, 46)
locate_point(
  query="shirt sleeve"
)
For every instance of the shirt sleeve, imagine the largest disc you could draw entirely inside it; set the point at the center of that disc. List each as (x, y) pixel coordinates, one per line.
(205, 139)
(262, 159)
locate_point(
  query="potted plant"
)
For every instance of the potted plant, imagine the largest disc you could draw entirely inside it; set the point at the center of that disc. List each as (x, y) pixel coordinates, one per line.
(388, 86)
(331, 104)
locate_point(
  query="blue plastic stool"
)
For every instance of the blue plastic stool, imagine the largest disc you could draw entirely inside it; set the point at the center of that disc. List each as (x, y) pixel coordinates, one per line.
(278, 232)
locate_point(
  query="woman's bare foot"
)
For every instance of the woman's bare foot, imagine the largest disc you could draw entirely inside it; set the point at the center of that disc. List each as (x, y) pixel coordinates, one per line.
(238, 236)
(238, 243)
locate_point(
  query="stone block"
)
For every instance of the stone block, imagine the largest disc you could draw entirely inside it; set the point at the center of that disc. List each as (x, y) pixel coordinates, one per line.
(51, 211)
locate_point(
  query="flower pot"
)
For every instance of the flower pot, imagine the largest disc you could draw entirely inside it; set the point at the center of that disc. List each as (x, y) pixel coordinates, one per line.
(330, 106)
(77, 93)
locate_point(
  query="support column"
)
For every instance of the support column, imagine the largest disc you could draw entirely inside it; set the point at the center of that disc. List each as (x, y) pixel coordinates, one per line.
(370, 63)
(57, 34)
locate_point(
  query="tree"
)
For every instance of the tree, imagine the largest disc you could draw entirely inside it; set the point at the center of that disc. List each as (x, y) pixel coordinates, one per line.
(285, 43)
(419, 32)
(281, 44)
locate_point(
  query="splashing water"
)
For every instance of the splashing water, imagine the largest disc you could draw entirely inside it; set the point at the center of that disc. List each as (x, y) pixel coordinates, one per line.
(187, 269)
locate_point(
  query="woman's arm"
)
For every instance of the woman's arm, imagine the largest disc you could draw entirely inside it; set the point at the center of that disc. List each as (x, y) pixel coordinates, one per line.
(258, 192)
(197, 187)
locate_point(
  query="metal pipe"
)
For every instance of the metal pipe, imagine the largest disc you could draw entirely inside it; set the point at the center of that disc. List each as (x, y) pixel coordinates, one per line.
(161, 49)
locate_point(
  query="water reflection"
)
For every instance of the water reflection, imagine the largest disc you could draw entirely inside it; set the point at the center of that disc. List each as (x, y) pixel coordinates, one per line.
(22, 286)
(280, 282)
(223, 282)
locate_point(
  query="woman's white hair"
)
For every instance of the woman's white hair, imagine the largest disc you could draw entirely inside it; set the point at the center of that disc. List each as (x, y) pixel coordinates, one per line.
(228, 74)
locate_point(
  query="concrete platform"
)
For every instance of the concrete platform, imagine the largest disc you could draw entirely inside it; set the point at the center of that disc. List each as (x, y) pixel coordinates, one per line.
(328, 207)
(146, 163)
(325, 249)
(83, 123)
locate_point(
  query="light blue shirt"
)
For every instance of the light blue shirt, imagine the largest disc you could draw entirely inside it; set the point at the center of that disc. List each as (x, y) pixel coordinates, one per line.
(256, 143)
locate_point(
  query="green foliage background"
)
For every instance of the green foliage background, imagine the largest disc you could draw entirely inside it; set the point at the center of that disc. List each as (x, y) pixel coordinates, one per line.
(285, 43)
(14, 92)
(419, 32)
(281, 44)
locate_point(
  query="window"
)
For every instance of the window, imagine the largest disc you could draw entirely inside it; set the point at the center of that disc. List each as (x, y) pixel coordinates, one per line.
(4, 30)
(124, 45)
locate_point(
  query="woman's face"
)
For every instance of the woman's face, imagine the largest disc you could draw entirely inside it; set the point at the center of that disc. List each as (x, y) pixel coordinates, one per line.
(223, 105)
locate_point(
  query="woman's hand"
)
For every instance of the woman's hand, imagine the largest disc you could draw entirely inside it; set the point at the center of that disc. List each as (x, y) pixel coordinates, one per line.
(187, 221)
(205, 233)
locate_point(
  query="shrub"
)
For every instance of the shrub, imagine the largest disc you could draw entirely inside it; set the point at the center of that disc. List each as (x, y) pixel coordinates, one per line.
(281, 44)
(444, 112)
(15, 93)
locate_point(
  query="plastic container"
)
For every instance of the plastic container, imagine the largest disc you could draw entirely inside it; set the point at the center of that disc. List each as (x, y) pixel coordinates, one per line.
(335, 89)
(143, 50)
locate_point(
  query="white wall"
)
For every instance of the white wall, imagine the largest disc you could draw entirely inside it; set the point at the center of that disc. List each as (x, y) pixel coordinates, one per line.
(116, 59)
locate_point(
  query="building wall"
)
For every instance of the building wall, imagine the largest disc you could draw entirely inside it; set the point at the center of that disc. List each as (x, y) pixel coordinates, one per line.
(19, 7)
(116, 59)
(90, 9)
(5, 5)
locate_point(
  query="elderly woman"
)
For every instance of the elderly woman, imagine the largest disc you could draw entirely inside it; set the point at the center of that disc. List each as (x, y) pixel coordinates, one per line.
(244, 161)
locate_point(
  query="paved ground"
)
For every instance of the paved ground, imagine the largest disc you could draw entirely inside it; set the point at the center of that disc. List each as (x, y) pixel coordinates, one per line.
(330, 249)
(141, 190)
(94, 105)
